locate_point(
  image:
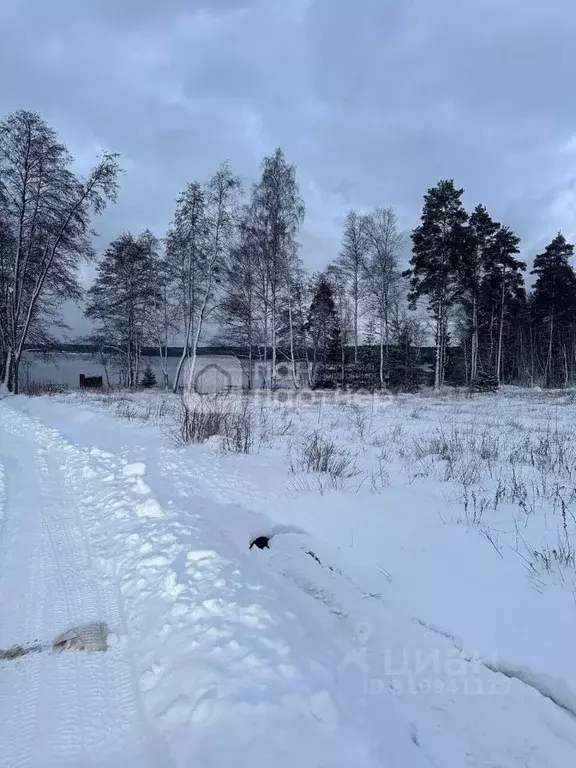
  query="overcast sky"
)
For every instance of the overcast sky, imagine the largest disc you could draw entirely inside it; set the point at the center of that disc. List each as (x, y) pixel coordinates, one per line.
(373, 100)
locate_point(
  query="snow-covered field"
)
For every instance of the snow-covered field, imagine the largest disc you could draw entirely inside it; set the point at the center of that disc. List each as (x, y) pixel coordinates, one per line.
(416, 607)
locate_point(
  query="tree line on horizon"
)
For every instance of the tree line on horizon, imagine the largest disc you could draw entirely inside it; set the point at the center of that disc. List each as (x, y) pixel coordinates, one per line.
(230, 266)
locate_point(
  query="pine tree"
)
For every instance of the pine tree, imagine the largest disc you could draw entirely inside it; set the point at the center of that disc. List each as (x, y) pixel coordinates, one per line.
(502, 291)
(148, 378)
(438, 244)
(475, 256)
(553, 309)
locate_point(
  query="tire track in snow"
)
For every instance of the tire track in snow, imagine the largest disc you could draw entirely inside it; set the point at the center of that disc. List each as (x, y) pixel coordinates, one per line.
(82, 598)
(17, 729)
(66, 709)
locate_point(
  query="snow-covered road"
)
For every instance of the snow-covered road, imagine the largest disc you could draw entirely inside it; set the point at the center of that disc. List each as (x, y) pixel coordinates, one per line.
(67, 709)
(210, 665)
(220, 656)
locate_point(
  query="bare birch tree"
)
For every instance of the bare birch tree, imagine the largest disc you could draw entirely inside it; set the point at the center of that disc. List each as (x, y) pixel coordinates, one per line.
(382, 275)
(46, 209)
(221, 212)
(352, 263)
(238, 310)
(277, 212)
(186, 246)
(201, 237)
(162, 312)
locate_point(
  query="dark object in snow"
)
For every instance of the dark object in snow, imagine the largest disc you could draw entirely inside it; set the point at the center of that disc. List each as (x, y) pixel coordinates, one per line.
(90, 637)
(262, 542)
(17, 651)
(315, 557)
(90, 382)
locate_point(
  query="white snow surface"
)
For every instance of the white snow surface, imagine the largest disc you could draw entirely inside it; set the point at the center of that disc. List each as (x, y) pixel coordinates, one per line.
(383, 627)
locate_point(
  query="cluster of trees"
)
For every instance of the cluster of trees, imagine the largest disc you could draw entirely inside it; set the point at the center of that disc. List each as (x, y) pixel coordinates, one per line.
(223, 262)
(229, 268)
(465, 267)
(467, 282)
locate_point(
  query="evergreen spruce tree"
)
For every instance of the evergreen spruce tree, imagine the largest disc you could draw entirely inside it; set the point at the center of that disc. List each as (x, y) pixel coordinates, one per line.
(324, 333)
(484, 381)
(437, 248)
(365, 374)
(405, 368)
(148, 378)
(370, 338)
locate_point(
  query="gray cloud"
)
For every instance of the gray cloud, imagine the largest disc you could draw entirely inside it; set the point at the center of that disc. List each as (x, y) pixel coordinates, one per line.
(373, 101)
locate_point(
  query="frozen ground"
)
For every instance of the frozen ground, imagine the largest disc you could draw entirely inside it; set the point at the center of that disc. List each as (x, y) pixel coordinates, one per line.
(416, 606)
